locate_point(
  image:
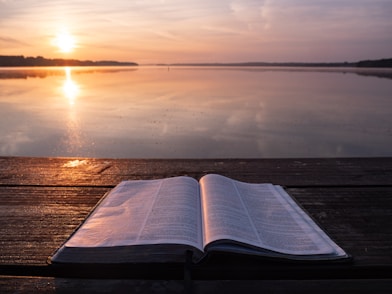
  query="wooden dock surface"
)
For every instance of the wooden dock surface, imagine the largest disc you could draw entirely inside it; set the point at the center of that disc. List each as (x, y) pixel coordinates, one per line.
(42, 200)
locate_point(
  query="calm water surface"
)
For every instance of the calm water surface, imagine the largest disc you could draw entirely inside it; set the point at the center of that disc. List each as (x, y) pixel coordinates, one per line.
(184, 112)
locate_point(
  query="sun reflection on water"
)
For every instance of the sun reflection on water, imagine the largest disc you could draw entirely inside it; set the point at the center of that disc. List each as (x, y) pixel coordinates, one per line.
(73, 141)
(71, 89)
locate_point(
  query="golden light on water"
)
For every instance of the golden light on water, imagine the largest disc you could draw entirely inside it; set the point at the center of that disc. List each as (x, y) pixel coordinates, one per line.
(73, 140)
(71, 89)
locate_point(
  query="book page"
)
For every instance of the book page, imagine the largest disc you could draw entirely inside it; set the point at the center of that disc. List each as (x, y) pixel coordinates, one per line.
(259, 215)
(163, 211)
(224, 216)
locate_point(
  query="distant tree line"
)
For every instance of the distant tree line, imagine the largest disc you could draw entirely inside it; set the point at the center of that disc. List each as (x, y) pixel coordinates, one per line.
(365, 63)
(375, 63)
(288, 64)
(20, 60)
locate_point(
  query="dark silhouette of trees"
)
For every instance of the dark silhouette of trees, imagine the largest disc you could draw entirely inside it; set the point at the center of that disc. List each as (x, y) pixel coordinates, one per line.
(41, 61)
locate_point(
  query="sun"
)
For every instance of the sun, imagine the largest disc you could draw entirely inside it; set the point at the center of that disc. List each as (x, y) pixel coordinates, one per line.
(65, 42)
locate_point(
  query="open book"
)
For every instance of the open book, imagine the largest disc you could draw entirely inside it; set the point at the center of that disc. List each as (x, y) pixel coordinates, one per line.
(159, 220)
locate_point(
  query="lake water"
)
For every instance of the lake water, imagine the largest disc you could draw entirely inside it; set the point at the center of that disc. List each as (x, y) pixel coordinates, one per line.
(195, 112)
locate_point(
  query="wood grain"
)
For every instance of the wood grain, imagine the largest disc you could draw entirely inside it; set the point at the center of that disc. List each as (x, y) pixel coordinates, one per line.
(42, 200)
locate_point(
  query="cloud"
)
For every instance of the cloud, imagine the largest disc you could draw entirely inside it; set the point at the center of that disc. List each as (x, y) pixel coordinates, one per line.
(11, 42)
(222, 30)
(266, 29)
(251, 13)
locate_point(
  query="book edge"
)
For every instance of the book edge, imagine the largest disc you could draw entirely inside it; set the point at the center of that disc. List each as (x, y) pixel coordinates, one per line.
(50, 259)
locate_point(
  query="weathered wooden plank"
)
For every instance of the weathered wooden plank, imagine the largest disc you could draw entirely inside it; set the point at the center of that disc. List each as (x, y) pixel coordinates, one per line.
(358, 218)
(42, 200)
(108, 172)
(11, 284)
(34, 221)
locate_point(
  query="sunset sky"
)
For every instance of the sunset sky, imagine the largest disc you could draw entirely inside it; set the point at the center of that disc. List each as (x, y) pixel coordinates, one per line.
(170, 31)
